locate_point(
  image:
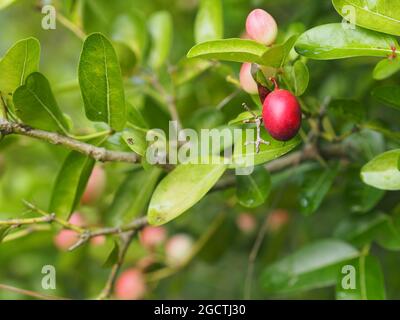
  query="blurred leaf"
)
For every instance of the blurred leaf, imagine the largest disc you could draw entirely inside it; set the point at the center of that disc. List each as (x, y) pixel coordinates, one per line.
(131, 29)
(36, 106)
(161, 31)
(277, 55)
(348, 110)
(113, 257)
(244, 116)
(382, 128)
(135, 117)
(297, 77)
(126, 57)
(3, 232)
(70, 184)
(368, 280)
(333, 41)
(316, 187)
(5, 3)
(386, 68)
(389, 236)
(390, 95)
(181, 189)
(133, 195)
(382, 171)
(209, 24)
(187, 69)
(252, 190)
(238, 50)
(206, 118)
(101, 82)
(378, 15)
(314, 266)
(246, 155)
(18, 63)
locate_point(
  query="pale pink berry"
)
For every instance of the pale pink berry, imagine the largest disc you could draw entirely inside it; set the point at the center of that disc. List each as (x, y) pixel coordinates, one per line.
(261, 27)
(95, 186)
(178, 248)
(246, 79)
(98, 241)
(277, 219)
(151, 237)
(246, 222)
(130, 285)
(66, 238)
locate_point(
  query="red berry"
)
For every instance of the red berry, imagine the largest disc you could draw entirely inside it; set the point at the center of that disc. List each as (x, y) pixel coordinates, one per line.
(281, 114)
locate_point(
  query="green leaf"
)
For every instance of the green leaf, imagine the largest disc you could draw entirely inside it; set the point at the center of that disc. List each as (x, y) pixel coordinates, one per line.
(131, 29)
(386, 68)
(209, 24)
(161, 31)
(4, 231)
(181, 189)
(239, 50)
(297, 77)
(389, 235)
(389, 95)
(244, 116)
(36, 106)
(18, 63)
(187, 69)
(378, 15)
(314, 266)
(70, 184)
(113, 257)
(133, 195)
(332, 41)
(246, 155)
(348, 110)
(361, 279)
(315, 188)
(5, 3)
(252, 190)
(136, 140)
(101, 82)
(277, 55)
(382, 172)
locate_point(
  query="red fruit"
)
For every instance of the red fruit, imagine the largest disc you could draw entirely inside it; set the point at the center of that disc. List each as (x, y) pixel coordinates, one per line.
(130, 285)
(281, 114)
(95, 186)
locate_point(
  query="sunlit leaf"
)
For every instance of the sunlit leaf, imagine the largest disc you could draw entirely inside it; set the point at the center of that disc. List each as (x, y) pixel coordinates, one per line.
(161, 31)
(386, 68)
(209, 23)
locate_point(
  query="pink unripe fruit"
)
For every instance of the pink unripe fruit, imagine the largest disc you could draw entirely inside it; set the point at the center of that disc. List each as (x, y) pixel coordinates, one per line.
(246, 79)
(246, 222)
(66, 238)
(98, 241)
(130, 285)
(151, 237)
(261, 27)
(178, 248)
(277, 219)
(95, 186)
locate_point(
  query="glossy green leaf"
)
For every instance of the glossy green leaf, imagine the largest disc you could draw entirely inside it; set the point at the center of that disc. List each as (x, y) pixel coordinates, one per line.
(247, 156)
(181, 189)
(389, 95)
(297, 77)
(133, 195)
(314, 266)
(332, 41)
(135, 140)
(361, 279)
(131, 29)
(239, 50)
(3, 232)
(378, 15)
(382, 172)
(161, 31)
(315, 188)
(5, 3)
(70, 184)
(386, 68)
(18, 63)
(36, 106)
(101, 82)
(209, 24)
(244, 116)
(277, 55)
(252, 190)
(187, 69)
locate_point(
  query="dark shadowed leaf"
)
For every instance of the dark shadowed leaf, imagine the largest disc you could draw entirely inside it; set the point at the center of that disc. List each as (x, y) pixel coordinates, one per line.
(389, 95)
(252, 190)
(297, 77)
(112, 257)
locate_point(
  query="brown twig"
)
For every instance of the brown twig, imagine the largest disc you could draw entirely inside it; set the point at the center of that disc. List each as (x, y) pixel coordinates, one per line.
(29, 293)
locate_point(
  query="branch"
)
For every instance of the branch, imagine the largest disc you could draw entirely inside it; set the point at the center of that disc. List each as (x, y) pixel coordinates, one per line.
(29, 293)
(97, 153)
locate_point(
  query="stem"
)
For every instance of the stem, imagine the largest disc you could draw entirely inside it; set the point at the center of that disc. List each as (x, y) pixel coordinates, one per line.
(273, 80)
(29, 293)
(70, 26)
